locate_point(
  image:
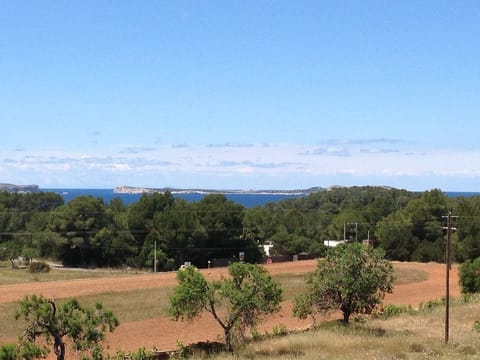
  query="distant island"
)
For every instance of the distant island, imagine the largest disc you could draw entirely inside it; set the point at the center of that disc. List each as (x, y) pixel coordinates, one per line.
(142, 190)
(19, 188)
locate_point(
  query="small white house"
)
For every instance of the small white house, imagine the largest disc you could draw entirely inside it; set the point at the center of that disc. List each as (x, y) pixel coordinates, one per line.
(267, 247)
(333, 243)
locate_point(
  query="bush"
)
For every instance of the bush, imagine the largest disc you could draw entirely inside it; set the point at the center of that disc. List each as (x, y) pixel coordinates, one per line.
(431, 304)
(470, 276)
(395, 310)
(38, 266)
(8, 352)
(476, 326)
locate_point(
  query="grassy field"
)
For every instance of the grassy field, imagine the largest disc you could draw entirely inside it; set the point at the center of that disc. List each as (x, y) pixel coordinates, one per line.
(419, 335)
(140, 304)
(406, 336)
(9, 276)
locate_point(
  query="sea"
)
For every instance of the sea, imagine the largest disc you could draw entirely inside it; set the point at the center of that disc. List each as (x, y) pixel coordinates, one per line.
(247, 200)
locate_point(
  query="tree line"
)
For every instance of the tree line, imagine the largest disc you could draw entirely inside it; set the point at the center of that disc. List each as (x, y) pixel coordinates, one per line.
(89, 232)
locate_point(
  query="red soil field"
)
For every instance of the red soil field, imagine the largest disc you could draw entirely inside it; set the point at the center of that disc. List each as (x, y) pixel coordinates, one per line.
(163, 333)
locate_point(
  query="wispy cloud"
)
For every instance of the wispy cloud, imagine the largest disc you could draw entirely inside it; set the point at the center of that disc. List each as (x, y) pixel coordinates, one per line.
(379, 151)
(374, 141)
(258, 165)
(230, 145)
(328, 151)
(239, 167)
(137, 150)
(180, 146)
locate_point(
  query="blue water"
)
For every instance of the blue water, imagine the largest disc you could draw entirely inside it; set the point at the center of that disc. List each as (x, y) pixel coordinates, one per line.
(247, 200)
(455, 194)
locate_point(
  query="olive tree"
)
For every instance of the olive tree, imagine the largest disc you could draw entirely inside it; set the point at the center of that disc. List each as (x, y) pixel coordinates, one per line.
(352, 278)
(85, 327)
(245, 296)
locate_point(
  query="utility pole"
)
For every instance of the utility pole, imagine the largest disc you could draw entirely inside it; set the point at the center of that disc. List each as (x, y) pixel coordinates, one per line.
(155, 256)
(448, 265)
(356, 229)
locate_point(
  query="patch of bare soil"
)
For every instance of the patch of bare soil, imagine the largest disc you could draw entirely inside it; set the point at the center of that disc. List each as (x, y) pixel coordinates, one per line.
(163, 333)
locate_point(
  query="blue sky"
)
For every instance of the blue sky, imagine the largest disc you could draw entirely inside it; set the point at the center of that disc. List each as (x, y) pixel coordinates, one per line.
(240, 94)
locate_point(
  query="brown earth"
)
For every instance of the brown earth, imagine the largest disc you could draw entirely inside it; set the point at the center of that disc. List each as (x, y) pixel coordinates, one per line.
(163, 333)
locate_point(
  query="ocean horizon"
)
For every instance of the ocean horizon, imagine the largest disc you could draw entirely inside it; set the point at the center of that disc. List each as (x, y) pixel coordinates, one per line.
(248, 200)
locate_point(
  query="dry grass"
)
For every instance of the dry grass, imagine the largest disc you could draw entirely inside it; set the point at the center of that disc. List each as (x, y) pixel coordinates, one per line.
(294, 284)
(134, 305)
(409, 276)
(419, 336)
(9, 276)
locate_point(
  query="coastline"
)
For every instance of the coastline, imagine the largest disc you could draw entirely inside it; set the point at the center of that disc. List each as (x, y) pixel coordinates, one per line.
(140, 190)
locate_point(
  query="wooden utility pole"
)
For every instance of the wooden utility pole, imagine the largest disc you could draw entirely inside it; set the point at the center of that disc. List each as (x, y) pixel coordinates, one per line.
(155, 257)
(448, 265)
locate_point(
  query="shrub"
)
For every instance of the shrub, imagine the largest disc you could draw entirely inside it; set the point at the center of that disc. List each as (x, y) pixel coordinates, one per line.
(279, 330)
(395, 310)
(470, 276)
(8, 352)
(431, 304)
(38, 266)
(476, 326)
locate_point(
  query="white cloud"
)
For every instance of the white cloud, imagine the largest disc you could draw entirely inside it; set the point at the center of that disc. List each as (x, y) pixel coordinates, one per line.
(279, 165)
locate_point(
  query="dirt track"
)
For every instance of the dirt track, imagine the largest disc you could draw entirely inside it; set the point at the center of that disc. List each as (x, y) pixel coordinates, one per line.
(163, 333)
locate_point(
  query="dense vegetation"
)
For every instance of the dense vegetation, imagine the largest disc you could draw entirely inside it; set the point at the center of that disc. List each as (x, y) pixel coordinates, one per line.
(88, 232)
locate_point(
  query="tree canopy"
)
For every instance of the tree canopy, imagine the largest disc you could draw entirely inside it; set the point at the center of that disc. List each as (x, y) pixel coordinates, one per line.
(85, 327)
(87, 232)
(352, 278)
(247, 295)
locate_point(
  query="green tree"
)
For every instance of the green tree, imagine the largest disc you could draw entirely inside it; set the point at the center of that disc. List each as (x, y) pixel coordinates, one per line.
(222, 222)
(85, 232)
(395, 235)
(179, 234)
(415, 232)
(469, 276)
(142, 213)
(76, 225)
(84, 326)
(352, 278)
(467, 245)
(247, 295)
